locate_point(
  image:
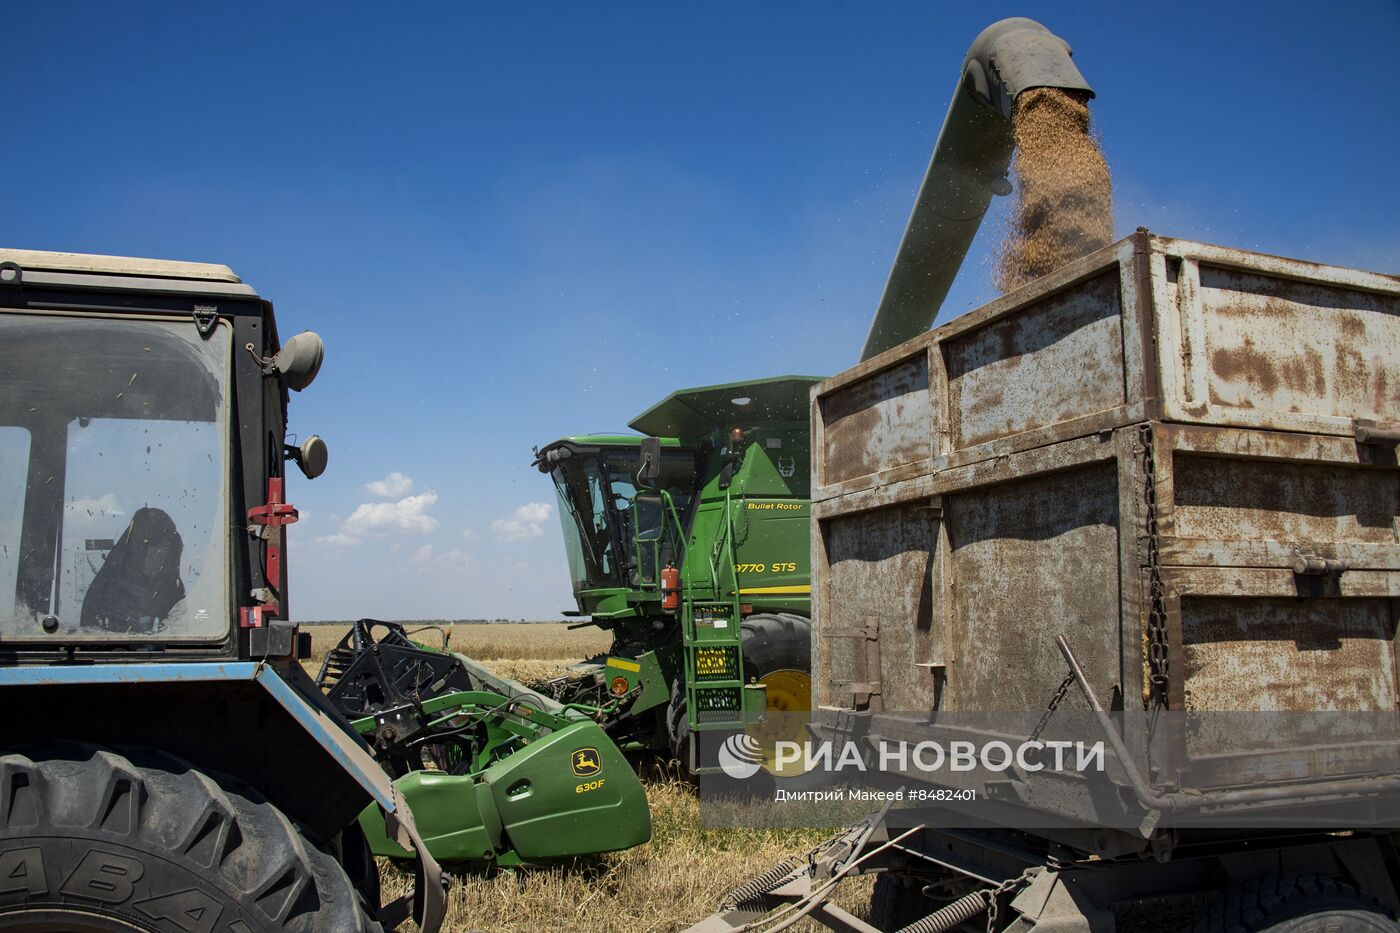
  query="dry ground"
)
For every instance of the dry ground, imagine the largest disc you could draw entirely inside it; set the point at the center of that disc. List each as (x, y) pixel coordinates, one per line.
(667, 884)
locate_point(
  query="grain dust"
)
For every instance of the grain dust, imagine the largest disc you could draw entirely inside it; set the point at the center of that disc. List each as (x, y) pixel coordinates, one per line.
(1063, 205)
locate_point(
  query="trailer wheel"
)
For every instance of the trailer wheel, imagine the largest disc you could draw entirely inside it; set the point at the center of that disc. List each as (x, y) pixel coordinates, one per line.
(92, 839)
(894, 905)
(1295, 904)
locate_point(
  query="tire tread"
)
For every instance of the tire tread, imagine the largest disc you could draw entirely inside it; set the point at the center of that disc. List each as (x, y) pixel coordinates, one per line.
(1261, 902)
(213, 826)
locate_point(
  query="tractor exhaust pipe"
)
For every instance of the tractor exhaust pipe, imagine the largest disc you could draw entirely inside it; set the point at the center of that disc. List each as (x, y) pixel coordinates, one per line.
(969, 165)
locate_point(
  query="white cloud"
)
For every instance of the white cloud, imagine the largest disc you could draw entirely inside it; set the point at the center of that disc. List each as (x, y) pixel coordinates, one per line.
(422, 555)
(534, 512)
(456, 557)
(524, 523)
(337, 540)
(393, 486)
(468, 534)
(407, 516)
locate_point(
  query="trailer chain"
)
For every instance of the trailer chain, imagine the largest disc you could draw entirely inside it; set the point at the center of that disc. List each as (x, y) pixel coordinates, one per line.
(1158, 647)
(1050, 707)
(1006, 887)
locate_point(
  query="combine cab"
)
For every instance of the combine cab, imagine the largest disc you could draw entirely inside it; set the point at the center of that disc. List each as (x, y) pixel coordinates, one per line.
(689, 542)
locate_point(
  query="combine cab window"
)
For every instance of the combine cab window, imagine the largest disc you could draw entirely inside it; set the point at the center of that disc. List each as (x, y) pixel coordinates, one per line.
(595, 490)
(113, 480)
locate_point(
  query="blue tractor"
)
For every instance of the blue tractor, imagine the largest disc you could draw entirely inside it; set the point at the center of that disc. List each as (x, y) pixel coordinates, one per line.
(165, 762)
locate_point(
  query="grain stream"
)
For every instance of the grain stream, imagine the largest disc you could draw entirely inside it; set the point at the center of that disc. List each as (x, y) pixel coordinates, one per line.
(1063, 204)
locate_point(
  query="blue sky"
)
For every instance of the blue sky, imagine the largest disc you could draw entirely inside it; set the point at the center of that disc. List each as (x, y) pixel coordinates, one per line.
(515, 222)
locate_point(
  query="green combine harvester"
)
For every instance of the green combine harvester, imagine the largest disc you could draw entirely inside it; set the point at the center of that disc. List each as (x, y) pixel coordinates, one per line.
(689, 542)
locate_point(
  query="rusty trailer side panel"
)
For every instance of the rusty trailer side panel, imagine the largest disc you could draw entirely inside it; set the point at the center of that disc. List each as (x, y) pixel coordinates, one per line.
(1149, 328)
(945, 592)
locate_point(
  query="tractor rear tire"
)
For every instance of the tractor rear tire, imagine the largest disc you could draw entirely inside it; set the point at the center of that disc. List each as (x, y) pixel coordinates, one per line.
(95, 839)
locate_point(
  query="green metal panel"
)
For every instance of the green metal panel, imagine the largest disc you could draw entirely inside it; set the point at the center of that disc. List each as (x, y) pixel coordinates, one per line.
(691, 413)
(566, 793)
(647, 671)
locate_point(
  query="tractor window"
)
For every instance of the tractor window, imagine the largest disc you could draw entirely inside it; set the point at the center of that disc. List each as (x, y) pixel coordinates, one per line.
(119, 527)
(156, 508)
(14, 464)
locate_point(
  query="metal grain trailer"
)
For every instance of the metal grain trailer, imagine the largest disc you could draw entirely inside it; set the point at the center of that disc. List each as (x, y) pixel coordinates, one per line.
(1175, 455)
(1155, 492)
(1148, 501)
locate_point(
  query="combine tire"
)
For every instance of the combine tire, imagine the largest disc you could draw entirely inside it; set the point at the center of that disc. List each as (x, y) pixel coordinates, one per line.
(96, 840)
(778, 653)
(1294, 904)
(678, 729)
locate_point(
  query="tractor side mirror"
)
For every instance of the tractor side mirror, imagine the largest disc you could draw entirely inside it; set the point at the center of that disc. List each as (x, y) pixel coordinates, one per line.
(651, 460)
(312, 456)
(299, 360)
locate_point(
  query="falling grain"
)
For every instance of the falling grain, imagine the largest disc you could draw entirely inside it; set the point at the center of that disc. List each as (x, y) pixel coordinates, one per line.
(1064, 196)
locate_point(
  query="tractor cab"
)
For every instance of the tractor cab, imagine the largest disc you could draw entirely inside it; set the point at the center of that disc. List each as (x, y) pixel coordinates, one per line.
(141, 424)
(144, 603)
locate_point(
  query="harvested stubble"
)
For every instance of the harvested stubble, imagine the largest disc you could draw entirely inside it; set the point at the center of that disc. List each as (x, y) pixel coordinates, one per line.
(671, 882)
(1063, 204)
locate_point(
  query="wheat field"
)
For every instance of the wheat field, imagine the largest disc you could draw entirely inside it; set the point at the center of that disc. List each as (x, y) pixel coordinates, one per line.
(674, 880)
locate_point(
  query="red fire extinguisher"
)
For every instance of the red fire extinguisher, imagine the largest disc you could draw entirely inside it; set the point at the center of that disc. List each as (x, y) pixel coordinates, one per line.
(670, 586)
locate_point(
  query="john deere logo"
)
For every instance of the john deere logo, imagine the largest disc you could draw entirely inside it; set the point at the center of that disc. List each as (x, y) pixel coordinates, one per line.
(585, 762)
